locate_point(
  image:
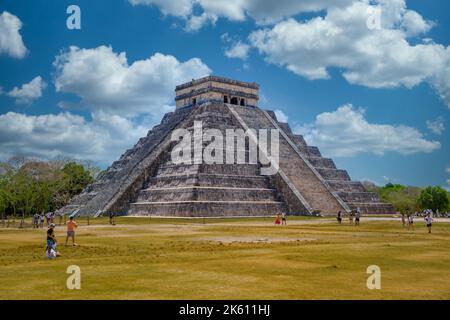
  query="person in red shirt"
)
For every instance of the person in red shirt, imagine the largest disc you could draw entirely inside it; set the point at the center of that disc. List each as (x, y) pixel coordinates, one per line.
(71, 226)
(278, 220)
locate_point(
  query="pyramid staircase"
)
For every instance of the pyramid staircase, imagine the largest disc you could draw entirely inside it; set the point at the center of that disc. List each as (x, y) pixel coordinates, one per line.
(208, 189)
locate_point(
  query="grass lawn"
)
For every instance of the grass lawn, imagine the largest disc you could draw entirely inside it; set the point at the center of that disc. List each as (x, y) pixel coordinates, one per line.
(311, 258)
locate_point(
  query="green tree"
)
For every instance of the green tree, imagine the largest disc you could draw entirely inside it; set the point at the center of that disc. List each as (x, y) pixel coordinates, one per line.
(76, 178)
(8, 191)
(402, 197)
(3, 200)
(29, 186)
(434, 198)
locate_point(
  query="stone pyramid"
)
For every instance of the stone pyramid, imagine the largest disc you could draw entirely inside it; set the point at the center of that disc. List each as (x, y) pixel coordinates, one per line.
(145, 181)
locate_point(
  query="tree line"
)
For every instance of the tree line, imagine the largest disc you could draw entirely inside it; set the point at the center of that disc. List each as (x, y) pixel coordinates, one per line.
(30, 186)
(413, 199)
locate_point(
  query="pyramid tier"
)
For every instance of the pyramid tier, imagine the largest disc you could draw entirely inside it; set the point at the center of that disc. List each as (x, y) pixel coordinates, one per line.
(372, 208)
(206, 193)
(212, 180)
(207, 208)
(169, 169)
(361, 197)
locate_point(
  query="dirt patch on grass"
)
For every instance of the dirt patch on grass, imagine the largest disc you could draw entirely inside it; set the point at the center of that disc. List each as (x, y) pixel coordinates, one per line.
(255, 239)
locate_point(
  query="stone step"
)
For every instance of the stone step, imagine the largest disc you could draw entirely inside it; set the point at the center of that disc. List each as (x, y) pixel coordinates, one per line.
(206, 193)
(346, 186)
(299, 140)
(373, 208)
(319, 162)
(180, 169)
(310, 151)
(286, 128)
(362, 197)
(214, 180)
(199, 155)
(334, 174)
(207, 208)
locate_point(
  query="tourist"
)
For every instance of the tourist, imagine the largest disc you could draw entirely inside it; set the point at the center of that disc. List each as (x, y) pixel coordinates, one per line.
(36, 220)
(283, 219)
(51, 250)
(357, 216)
(71, 226)
(410, 222)
(42, 219)
(339, 217)
(47, 219)
(429, 220)
(111, 219)
(278, 220)
(350, 217)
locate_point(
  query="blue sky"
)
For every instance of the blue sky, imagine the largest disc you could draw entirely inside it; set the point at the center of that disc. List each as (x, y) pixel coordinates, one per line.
(375, 100)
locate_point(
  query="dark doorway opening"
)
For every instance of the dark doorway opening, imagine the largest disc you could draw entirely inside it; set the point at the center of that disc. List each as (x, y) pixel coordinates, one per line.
(242, 102)
(234, 101)
(225, 99)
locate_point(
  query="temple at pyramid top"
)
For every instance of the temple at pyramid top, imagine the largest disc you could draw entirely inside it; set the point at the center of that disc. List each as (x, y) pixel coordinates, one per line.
(217, 89)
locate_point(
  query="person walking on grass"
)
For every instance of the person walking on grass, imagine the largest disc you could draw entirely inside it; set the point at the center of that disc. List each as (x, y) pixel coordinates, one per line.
(357, 216)
(111, 219)
(350, 217)
(36, 220)
(47, 219)
(51, 250)
(42, 219)
(71, 226)
(283, 218)
(278, 220)
(339, 217)
(410, 222)
(428, 220)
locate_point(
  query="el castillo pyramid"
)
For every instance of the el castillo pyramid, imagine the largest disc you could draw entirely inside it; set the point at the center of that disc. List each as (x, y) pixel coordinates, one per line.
(145, 181)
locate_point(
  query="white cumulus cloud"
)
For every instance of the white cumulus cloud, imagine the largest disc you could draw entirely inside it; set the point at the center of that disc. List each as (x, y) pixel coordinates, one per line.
(238, 50)
(11, 42)
(124, 101)
(376, 58)
(436, 126)
(178, 8)
(262, 11)
(105, 81)
(102, 139)
(29, 91)
(346, 132)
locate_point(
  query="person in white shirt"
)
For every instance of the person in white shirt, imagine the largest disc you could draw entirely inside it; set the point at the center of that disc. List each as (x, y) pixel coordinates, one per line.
(410, 222)
(429, 220)
(357, 216)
